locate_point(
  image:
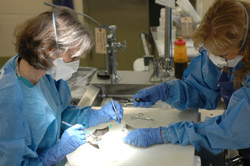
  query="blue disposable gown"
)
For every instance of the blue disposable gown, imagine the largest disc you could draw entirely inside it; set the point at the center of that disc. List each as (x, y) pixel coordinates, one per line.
(30, 117)
(199, 89)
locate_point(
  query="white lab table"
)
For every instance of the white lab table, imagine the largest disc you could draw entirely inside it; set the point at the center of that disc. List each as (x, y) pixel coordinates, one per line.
(114, 152)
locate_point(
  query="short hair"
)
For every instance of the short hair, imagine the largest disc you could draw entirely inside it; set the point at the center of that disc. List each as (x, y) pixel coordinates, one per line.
(37, 35)
(223, 27)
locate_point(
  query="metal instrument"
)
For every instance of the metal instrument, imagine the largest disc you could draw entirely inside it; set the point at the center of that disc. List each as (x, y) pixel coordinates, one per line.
(115, 110)
(91, 138)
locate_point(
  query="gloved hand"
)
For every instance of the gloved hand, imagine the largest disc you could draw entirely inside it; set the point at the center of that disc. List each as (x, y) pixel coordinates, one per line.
(71, 139)
(106, 114)
(149, 96)
(146, 137)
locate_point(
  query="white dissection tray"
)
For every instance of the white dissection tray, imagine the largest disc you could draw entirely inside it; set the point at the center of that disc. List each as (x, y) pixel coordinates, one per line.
(113, 152)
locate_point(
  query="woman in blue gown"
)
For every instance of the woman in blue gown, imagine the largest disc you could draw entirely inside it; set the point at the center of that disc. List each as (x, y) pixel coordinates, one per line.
(220, 70)
(35, 97)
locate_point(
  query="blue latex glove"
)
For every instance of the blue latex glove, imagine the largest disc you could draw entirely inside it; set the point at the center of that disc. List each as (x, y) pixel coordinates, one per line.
(105, 114)
(146, 137)
(149, 96)
(71, 139)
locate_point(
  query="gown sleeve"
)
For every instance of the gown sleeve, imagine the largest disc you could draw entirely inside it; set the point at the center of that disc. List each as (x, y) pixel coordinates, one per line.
(228, 131)
(198, 87)
(71, 113)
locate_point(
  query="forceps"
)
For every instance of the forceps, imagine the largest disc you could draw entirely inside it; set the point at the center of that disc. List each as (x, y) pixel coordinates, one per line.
(141, 116)
(115, 110)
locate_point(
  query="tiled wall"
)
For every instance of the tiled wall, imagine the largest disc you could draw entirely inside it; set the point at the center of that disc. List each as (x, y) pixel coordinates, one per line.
(14, 12)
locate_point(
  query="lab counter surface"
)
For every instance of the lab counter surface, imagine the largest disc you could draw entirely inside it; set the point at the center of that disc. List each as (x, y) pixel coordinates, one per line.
(113, 152)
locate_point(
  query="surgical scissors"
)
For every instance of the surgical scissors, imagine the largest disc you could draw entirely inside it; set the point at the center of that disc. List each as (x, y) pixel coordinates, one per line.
(141, 116)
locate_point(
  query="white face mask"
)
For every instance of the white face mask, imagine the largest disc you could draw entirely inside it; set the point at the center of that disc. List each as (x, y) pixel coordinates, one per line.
(62, 70)
(221, 62)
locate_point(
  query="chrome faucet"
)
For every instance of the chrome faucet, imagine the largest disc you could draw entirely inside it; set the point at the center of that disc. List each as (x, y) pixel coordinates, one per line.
(112, 46)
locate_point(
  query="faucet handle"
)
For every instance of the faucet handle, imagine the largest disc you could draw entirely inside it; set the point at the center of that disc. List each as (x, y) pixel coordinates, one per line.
(119, 45)
(124, 45)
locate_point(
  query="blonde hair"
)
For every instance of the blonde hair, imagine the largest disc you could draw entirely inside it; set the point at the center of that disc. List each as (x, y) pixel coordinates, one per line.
(37, 35)
(223, 27)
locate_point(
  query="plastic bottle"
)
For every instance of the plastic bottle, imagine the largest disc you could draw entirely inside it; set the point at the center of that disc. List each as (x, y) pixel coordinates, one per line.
(161, 27)
(180, 57)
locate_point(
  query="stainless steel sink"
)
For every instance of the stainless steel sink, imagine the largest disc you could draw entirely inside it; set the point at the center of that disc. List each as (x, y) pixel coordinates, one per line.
(100, 91)
(123, 91)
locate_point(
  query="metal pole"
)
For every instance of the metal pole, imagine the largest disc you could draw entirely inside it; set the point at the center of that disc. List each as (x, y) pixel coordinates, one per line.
(167, 33)
(143, 38)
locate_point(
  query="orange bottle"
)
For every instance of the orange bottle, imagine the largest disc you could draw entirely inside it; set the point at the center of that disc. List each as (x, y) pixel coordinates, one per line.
(180, 57)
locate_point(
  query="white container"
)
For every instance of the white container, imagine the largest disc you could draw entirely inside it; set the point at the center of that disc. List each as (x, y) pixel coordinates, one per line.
(161, 33)
(161, 27)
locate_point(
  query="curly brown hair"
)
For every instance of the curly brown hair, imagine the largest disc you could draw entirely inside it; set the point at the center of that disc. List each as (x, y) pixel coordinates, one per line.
(222, 28)
(37, 35)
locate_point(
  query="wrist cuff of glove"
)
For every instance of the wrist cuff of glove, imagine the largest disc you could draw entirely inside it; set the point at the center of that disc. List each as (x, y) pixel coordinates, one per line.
(164, 134)
(52, 156)
(92, 116)
(164, 91)
(96, 117)
(157, 133)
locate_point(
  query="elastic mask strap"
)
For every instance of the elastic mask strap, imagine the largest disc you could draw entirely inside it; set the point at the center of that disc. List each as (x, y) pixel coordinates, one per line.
(245, 37)
(54, 24)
